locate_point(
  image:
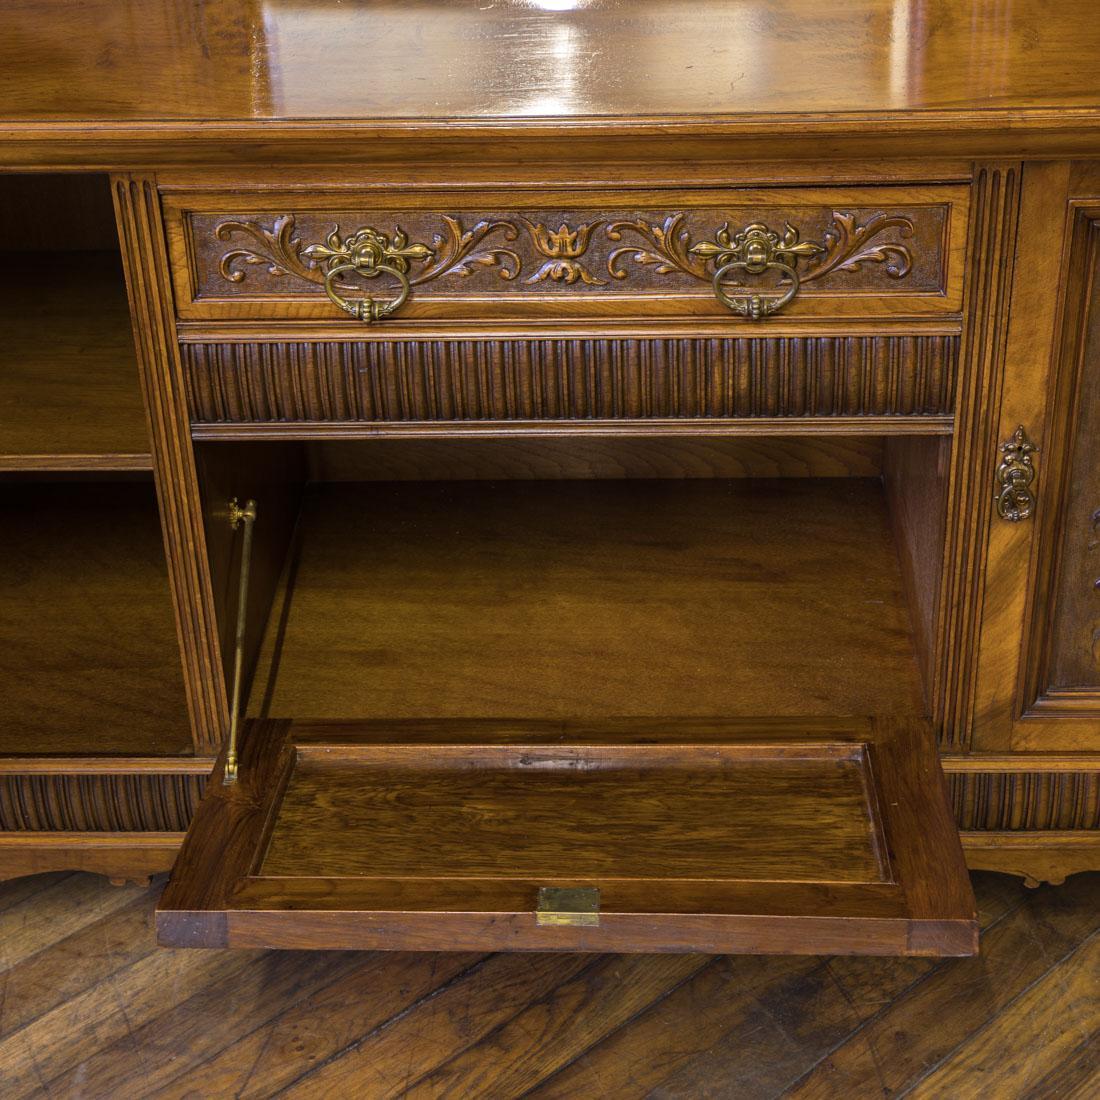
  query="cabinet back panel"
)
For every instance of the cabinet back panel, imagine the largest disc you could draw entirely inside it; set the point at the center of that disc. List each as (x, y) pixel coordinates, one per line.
(585, 598)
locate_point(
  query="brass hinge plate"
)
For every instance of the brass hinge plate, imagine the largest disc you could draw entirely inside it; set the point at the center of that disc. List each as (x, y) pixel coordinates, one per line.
(568, 905)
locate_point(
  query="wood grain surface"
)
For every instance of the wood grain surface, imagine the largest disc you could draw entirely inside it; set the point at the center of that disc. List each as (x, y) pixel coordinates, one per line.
(588, 813)
(92, 1009)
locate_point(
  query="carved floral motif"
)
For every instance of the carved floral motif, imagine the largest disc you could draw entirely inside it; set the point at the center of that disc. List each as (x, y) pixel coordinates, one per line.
(563, 248)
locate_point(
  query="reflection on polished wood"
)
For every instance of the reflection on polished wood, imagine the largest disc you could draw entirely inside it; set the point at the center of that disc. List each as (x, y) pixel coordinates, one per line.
(524, 61)
(527, 59)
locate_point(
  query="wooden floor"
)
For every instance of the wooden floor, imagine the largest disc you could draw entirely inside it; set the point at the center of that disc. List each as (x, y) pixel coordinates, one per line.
(90, 1008)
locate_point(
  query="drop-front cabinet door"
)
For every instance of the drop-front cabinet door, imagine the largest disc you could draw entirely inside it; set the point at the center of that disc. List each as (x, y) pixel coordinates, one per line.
(1037, 687)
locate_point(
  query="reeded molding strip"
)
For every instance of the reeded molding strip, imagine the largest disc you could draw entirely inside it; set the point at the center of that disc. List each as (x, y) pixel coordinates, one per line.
(99, 802)
(453, 381)
(1025, 800)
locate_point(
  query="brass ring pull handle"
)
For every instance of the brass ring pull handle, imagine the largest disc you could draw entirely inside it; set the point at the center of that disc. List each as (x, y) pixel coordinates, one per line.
(754, 250)
(367, 309)
(752, 305)
(368, 253)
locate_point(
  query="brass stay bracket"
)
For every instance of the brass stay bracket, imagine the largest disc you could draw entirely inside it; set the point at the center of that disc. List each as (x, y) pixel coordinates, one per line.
(244, 518)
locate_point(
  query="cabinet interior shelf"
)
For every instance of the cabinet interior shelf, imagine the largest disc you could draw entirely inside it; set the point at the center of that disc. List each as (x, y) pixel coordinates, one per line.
(70, 395)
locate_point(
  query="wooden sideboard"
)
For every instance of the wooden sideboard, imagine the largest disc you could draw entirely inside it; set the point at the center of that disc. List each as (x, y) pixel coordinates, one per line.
(551, 475)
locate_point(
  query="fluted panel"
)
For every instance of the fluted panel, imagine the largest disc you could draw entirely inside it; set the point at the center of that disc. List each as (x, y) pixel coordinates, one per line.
(99, 803)
(1025, 800)
(495, 380)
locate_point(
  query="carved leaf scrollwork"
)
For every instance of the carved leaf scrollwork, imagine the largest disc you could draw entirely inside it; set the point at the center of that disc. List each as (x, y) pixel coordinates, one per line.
(456, 251)
(848, 245)
(276, 248)
(667, 249)
(845, 246)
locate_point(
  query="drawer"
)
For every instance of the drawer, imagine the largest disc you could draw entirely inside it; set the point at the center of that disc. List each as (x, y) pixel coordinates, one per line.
(455, 257)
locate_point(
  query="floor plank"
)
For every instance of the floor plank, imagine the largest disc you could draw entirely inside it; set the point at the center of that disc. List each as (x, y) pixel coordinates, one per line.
(15, 890)
(75, 963)
(1077, 1078)
(790, 1025)
(57, 911)
(326, 1024)
(1060, 1011)
(913, 1033)
(90, 1008)
(389, 1061)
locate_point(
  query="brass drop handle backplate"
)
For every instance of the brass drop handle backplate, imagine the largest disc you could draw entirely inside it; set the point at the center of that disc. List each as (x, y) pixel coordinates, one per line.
(754, 250)
(1015, 475)
(368, 254)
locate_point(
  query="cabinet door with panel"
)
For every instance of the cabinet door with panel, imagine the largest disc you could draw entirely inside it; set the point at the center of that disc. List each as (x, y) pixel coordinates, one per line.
(1038, 669)
(1027, 795)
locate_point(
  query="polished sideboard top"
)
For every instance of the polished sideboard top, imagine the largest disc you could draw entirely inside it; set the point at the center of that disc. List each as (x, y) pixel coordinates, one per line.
(144, 82)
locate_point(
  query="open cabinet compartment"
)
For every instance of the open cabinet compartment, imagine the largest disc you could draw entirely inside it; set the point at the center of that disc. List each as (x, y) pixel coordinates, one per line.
(680, 715)
(89, 654)
(89, 660)
(70, 395)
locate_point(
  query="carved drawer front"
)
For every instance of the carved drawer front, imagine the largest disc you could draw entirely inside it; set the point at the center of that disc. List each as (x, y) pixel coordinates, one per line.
(720, 256)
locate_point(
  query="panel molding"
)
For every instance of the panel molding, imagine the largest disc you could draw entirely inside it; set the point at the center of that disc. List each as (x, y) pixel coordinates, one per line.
(991, 253)
(1066, 422)
(582, 379)
(145, 261)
